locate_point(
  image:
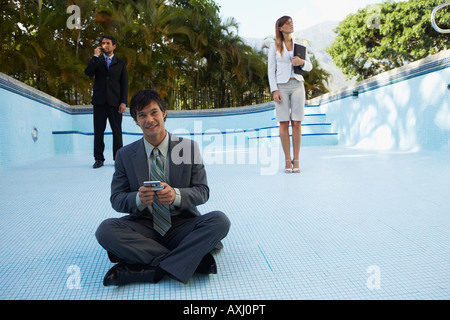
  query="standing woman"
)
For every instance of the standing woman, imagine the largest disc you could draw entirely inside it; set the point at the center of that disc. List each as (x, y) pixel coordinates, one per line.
(288, 89)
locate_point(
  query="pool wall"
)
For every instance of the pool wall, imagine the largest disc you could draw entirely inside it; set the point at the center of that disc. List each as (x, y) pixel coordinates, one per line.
(27, 121)
(403, 109)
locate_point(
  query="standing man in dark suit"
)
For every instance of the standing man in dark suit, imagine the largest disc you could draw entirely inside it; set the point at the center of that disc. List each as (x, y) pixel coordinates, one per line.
(146, 245)
(109, 96)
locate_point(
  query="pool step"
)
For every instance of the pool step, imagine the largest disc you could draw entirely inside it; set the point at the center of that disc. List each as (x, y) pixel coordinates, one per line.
(316, 131)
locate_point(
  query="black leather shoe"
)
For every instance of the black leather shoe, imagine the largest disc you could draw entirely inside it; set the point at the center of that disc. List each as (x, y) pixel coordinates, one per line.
(207, 265)
(98, 164)
(123, 273)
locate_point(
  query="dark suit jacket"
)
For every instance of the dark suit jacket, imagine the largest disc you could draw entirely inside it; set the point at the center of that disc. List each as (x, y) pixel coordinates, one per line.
(189, 176)
(110, 85)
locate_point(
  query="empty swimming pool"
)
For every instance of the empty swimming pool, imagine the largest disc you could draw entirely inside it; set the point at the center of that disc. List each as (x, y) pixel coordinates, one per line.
(366, 219)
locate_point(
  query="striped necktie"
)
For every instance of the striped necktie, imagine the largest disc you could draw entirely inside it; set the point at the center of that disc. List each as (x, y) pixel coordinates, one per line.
(161, 213)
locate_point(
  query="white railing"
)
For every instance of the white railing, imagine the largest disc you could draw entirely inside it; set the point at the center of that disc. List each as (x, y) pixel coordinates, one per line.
(433, 16)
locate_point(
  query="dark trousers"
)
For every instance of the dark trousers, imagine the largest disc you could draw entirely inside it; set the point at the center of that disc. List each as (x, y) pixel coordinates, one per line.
(179, 252)
(101, 114)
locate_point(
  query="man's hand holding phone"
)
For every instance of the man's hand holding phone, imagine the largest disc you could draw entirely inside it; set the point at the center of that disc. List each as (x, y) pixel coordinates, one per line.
(146, 195)
(166, 195)
(152, 189)
(98, 51)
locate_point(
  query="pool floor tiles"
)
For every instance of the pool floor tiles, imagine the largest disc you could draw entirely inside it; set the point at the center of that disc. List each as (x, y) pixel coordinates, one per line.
(354, 224)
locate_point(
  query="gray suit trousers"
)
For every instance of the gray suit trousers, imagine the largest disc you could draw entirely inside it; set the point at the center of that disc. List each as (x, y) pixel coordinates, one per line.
(133, 240)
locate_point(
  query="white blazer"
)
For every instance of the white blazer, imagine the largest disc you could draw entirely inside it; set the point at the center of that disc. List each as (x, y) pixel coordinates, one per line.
(280, 68)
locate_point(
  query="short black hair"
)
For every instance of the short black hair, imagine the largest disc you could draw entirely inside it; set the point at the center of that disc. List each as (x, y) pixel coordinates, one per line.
(143, 98)
(113, 40)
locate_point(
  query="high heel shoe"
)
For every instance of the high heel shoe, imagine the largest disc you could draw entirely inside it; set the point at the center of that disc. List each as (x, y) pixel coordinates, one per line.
(288, 170)
(295, 170)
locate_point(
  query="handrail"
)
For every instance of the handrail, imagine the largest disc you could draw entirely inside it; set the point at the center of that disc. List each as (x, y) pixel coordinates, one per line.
(433, 15)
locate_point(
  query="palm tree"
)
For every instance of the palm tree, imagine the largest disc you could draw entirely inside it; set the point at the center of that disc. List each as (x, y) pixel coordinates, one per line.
(316, 81)
(14, 58)
(173, 46)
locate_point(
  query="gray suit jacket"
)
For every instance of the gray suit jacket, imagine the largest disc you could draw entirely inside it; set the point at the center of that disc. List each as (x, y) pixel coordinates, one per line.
(187, 173)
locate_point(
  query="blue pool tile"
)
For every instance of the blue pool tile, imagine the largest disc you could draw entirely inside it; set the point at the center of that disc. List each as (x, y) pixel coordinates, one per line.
(354, 224)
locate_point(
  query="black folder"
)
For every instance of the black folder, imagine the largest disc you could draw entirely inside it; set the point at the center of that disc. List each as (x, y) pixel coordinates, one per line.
(299, 51)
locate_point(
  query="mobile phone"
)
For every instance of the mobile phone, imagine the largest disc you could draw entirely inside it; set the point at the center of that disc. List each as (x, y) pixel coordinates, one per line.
(156, 185)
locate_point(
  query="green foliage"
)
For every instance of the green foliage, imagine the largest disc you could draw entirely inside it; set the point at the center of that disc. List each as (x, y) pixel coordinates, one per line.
(386, 36)
(181, 48)
(316, 81)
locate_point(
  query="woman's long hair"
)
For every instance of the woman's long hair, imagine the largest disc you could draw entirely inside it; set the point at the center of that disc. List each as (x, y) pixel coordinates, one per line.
(279, 38)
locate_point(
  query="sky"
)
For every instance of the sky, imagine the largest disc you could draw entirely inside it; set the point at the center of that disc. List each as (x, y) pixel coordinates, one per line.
(257, 18)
